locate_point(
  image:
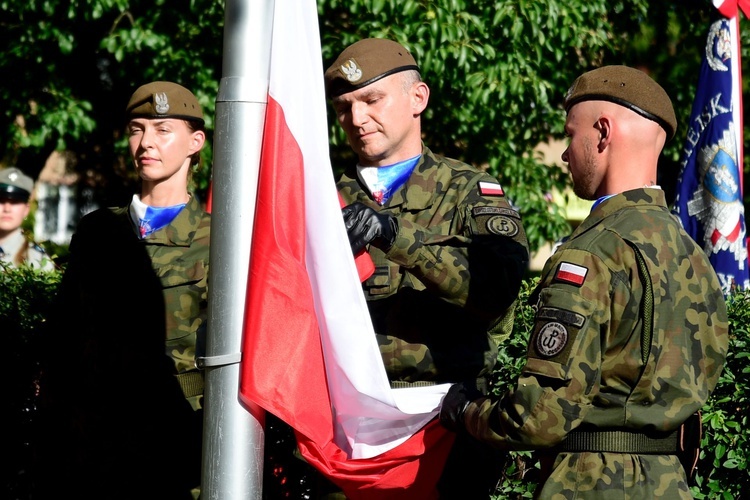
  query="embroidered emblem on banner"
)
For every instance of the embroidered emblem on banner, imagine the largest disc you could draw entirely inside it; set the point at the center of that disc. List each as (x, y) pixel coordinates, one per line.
(351, 71)
(161, 103)
(571, 273)
(490, 189)
(551, 339)
(716, 202)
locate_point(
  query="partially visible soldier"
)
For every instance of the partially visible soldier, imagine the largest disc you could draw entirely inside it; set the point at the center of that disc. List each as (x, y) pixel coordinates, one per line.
(449, 249)
(16, 248)
(631, 330)
(122, 395)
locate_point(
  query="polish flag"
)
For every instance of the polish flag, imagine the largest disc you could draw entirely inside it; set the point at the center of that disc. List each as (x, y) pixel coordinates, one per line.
(309, 351)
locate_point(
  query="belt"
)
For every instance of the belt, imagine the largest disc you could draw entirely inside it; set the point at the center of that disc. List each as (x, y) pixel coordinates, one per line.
(620, 441)
(400, 384)
(191, 383)
(481, 384)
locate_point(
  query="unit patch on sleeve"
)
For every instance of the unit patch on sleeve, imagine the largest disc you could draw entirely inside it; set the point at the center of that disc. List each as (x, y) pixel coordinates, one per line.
(490, 189)
(496, 220)
(571, 273)
(551, 339)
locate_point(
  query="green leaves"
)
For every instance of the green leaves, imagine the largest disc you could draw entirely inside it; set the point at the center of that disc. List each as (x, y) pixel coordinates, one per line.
(497, 69)
(725, 447)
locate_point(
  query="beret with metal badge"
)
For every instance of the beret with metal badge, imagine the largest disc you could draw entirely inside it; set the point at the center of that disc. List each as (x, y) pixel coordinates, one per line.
(628, 87)
(164, 100)
(365, 62)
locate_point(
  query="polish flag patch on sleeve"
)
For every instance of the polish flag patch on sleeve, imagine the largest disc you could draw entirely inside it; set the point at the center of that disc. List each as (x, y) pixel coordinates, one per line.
(571, 273)
(490, 189)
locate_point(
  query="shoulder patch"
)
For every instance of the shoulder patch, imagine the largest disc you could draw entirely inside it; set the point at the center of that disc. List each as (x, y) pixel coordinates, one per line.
(551, 339)
(500, 221)
(490, 189)
(561, 315)
(571, 273)
(502, 226)
(477, 211)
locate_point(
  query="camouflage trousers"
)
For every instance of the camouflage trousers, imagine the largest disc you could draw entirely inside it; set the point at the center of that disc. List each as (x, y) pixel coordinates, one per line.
(614, 476)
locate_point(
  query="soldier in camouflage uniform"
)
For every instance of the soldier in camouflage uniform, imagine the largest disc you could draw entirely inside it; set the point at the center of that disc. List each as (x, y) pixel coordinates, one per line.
(631, 332)
(449, 250)
(134, 306)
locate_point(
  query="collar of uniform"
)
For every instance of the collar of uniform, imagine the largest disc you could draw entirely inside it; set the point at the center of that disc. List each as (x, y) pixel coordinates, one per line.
(179, 232)
(13, 244)
(426, 183)
(640, 197)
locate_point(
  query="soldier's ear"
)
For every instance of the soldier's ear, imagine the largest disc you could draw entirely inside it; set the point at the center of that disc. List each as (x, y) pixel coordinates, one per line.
(420, 96)
(198, 138)
(604, 126)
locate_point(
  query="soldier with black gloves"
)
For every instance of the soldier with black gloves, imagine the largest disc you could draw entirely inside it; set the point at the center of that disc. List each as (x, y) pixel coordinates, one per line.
(449, 250)
(630, 334)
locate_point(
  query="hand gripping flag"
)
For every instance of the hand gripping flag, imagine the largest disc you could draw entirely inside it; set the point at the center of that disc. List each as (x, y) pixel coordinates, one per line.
(709, 188)
(309, 351)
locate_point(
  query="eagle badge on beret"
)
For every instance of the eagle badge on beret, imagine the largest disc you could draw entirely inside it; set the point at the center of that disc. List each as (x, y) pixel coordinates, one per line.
(161, 103)
(352, 72)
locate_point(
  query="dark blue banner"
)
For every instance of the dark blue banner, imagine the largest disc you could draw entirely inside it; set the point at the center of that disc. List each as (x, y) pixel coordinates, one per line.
(709, 197)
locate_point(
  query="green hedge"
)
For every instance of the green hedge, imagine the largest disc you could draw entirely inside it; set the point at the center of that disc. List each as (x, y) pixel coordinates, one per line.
(26, 296)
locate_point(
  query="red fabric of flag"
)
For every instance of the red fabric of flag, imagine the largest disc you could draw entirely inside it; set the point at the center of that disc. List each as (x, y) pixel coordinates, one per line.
(309, 354)
(283, 366)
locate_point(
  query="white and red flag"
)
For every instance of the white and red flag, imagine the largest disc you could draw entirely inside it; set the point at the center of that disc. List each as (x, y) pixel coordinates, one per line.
(309, 352)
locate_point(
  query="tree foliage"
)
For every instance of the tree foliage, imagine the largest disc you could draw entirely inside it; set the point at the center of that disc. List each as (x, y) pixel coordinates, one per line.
(498, 71)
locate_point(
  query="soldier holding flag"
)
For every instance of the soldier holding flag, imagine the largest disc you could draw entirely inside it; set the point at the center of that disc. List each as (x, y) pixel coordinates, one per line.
(631, 330)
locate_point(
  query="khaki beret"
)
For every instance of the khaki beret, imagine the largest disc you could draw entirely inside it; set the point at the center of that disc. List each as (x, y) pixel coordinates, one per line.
(164, 100)
(365, 62)
(15, 185)
(627, 87)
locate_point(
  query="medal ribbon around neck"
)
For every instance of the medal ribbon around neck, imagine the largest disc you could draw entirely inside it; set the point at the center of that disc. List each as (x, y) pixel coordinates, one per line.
(384, 181)
(150, 219)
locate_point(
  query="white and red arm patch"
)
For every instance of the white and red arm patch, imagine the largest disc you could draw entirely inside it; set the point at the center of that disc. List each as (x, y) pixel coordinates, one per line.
(571, 273)
(490, 189)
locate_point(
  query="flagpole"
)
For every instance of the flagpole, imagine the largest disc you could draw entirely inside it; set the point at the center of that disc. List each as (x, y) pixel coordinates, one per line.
(233, 433)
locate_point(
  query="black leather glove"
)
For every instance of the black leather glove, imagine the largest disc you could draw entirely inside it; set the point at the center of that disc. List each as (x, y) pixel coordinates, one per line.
(364, 225)
(454, 405)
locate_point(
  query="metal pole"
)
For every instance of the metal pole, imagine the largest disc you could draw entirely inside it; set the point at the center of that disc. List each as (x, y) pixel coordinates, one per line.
(233, 437)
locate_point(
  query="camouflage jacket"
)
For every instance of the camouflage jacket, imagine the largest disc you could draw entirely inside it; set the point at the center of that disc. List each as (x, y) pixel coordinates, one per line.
(179, 254)
(455, 267)
(112, 407)
(587, 367)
